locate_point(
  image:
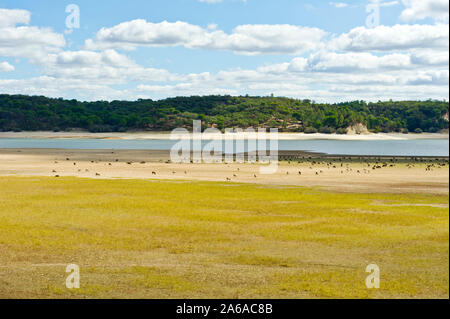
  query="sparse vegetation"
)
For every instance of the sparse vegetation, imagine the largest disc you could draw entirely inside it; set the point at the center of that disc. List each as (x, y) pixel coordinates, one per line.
(161, 239)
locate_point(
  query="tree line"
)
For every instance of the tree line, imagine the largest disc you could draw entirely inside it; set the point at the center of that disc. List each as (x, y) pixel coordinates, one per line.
(36, 113)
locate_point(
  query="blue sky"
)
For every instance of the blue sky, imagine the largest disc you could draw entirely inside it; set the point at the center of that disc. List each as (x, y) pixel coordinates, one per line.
(321, 50)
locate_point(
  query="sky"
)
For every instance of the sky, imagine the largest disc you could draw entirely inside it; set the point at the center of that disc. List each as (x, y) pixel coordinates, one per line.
(138, 49)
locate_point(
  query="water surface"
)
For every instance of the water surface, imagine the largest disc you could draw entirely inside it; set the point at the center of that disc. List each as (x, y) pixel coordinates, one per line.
(419, 147)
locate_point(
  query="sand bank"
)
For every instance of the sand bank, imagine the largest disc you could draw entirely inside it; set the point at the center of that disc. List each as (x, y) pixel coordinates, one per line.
(356, 176)
(167, 135)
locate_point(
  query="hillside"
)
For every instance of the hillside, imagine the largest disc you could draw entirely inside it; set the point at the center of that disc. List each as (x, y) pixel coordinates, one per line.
(33, 113)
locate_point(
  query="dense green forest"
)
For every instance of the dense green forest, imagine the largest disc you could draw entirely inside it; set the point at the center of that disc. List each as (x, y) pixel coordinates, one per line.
(32, 113)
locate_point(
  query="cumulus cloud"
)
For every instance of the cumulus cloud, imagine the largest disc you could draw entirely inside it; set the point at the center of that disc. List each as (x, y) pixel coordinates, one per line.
(388, 4)
(107, 66)
(325, 76)
(430, 58)
(393, 38)
(26, 41)
(6, 67)
(401, 61)
(244, 39)
(63, 87)
(357, 62)
(10, 18)
(422, 9)
(354, 62)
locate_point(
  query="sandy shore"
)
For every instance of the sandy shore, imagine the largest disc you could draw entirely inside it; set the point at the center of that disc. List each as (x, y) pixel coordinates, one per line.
(353, 176)
(167, 135)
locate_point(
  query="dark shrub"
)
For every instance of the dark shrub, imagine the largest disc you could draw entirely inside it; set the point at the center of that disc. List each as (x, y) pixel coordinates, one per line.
(310, 130)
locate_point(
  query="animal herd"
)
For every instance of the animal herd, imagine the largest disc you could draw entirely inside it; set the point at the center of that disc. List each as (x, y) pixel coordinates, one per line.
(342, 164)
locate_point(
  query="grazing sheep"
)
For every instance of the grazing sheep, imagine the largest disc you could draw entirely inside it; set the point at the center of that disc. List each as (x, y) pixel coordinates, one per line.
(97, 174)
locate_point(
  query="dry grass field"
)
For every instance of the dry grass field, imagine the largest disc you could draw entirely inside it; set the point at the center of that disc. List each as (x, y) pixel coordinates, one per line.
(142, 238)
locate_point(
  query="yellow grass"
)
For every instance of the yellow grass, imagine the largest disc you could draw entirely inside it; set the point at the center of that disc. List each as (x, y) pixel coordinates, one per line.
(186, 239)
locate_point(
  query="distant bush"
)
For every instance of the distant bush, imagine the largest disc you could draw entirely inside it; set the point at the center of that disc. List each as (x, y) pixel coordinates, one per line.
(310, 130)
(418, 130)
(341, 131)
(327, 130)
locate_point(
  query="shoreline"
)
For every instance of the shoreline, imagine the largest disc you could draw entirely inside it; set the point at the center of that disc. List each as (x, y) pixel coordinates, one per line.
(164, 155)
(342, 174)
(167, 136)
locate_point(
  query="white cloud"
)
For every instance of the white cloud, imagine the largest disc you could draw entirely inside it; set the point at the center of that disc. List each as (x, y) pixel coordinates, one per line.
(325, 76)
(244, 39)
(395, 38)
(186, 89)
(6, 67)
(10, 18)
(90, 58)
(421, 9)
(26, 41)
(260, 39)
(108, 67)
(429, 77)
(339, 4)
(354, 62)
(357, 62)
(62, 87)
(430, 57)
(388, 4)
(398, 62)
